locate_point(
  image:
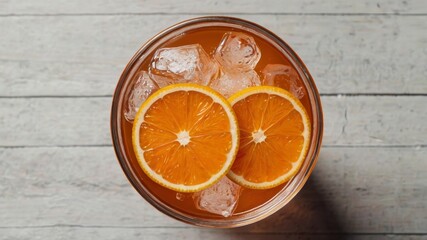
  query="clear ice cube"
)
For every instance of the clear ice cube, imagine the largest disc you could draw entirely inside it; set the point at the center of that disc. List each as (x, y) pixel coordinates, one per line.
(189, 63)
(282, 76)
(238, 51)
(219, 199)
(142, 89)
(230, 82)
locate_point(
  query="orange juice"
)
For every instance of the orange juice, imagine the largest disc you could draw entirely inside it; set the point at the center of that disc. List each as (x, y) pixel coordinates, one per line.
(209, 37)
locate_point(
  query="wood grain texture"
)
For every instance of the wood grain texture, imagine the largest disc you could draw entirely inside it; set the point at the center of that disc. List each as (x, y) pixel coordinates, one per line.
(59, 64)
(84, 55)
(66, 233)
(210, 6)
(51, 121)
(362, 120)
(69, 190)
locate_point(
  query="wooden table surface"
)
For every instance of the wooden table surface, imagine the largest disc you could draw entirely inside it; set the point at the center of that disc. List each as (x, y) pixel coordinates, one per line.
(59, 64)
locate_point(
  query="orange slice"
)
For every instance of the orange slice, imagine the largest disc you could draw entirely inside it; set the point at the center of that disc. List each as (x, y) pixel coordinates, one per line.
(185, 137)
(274, 136)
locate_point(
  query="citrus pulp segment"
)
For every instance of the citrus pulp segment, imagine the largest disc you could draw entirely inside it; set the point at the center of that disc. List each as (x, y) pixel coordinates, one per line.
(274, 136)
(185, 137)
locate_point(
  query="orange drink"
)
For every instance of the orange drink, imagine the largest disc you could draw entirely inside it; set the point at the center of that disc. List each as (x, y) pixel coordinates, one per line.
(217, 122)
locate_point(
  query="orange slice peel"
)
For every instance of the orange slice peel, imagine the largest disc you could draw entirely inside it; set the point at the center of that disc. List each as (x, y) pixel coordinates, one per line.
(275, 135)
(185, 137)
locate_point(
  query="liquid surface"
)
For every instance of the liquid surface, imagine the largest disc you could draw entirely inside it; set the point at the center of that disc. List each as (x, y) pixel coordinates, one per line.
(209, 38)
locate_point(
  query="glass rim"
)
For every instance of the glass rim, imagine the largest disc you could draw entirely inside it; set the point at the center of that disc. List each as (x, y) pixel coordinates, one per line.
(281, 198)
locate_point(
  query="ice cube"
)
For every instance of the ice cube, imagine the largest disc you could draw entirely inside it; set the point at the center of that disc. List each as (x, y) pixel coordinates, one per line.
(219, 199)
(142, 89)
(238, 51)
(189, 63)
(230, 82)
(282, 76)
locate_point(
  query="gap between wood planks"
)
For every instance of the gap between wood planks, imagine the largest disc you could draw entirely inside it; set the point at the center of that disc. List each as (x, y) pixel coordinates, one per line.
(210, 14)
(416, 146)
(237, 231)
(322, 95)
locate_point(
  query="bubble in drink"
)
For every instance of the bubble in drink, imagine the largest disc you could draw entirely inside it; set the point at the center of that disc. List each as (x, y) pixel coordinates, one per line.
(189, 63)
(180, 196)
(220, 198)
(143, 88)
(283, 76)
(238, 51)
(231, 82)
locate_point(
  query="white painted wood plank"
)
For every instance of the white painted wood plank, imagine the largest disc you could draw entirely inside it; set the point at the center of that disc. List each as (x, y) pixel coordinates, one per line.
(375, 120)
(70, 186)
(352, 190)
(210, 6)
(84, 55)
(35, 78)
(178, 234)
(85, 121)
(53, 121)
